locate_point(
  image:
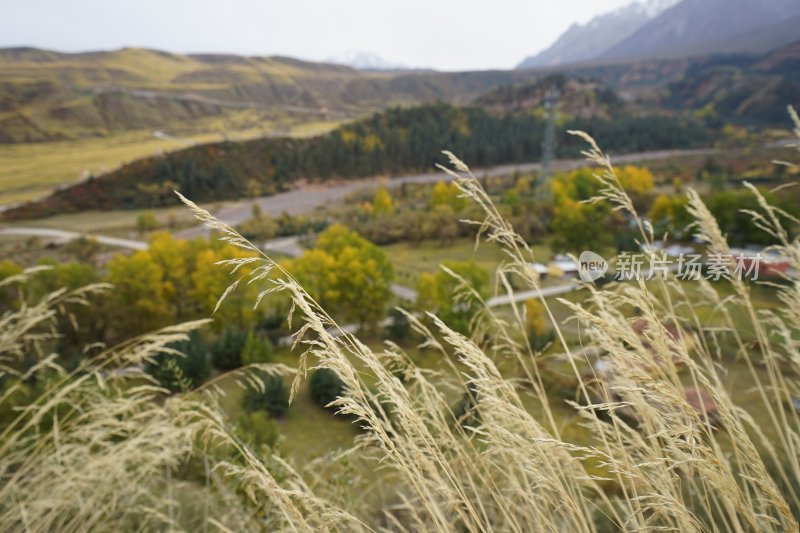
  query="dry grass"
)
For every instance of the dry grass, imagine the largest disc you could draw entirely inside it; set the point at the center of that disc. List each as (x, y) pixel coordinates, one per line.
(28, 171)
(32, 170)
(98, 452)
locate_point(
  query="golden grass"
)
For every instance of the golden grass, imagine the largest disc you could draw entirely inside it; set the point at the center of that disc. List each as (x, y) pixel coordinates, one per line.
(120, 223)
(29, 171)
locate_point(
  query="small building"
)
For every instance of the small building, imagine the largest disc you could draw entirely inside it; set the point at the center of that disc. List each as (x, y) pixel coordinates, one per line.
(540, 268)
(565, 265)
(765, 262)
(678, 250)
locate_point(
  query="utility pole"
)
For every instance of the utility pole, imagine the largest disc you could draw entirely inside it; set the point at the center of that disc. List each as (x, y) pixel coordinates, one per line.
(551, 97)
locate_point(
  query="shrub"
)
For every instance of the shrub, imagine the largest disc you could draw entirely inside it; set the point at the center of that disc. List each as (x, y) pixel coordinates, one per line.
(539, 340)
(443, 293)
(257, 429)
(182, 372)
(325, 386)
(399, 327)
(733, 212)
(465, 412)
(273, 399)
(256, 349)
(226, 353)
(145, 221)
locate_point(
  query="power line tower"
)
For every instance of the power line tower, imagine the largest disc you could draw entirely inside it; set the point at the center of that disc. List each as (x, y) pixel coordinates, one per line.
(551, 97)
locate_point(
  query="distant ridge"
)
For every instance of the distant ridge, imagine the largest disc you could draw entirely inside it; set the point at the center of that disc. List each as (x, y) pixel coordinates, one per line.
(48, 95)
(670, 29)
(697, 27)
(585, 42)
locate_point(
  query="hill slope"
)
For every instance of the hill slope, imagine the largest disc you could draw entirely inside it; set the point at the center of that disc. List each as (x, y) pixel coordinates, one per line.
(743, 89)
(47, 95)
(632, 107)
(580, 98)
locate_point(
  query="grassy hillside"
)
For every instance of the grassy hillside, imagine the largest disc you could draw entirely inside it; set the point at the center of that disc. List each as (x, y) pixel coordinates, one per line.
(50, 96)
(736, 90)
(32, 170)
(751, 90)
(47, 95)
(585, 98)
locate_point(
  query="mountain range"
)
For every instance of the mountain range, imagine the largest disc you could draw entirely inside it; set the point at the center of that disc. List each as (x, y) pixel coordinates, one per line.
(659, 29)
(47, 95)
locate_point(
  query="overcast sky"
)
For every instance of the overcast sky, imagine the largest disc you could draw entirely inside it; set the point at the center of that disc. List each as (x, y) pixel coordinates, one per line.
(443, 34)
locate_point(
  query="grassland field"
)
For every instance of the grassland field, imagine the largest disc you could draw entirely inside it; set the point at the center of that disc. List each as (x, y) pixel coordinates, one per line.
(31, 170)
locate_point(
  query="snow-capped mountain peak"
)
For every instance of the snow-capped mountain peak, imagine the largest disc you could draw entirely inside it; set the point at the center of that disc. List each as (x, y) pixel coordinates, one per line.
(365, 61)
(653, 8)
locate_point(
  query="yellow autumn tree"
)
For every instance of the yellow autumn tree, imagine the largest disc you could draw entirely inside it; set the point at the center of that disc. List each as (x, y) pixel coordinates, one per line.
(140, 302)
(209, 281)
(636, 180)
(382, 203)
(447, 194)
(534, 316)
(346, 274)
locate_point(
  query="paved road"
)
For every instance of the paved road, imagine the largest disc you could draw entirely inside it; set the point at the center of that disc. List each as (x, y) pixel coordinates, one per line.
(306, 199)
(63, 235)
(287, 246)
(404, 293)
(546, 292)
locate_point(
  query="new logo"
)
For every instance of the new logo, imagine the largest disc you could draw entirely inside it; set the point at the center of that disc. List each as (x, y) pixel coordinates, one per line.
(591, 266)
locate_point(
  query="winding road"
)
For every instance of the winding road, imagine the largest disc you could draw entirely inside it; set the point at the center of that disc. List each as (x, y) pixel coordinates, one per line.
(64, 236)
